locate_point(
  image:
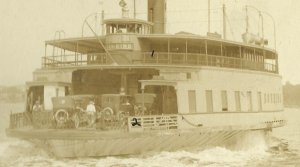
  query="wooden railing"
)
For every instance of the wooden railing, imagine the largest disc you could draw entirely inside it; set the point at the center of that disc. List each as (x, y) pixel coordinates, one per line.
(36, 119)
(162, 58)
(152, 122)
(74, 60)
(19, 120)
(43, 119)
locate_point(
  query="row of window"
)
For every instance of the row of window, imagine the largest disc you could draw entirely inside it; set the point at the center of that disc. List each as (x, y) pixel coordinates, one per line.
(128, 28)
(274, 98)
(269, 98)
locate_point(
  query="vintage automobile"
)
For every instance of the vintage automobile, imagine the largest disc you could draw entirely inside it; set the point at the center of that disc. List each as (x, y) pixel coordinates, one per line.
(117, 107)
(69, 111)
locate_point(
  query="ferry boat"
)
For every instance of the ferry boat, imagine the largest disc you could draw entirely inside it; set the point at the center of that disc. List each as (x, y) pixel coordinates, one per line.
(150, 90)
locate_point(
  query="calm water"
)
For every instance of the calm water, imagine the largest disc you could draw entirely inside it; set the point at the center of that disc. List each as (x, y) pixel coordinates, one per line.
(14, 152)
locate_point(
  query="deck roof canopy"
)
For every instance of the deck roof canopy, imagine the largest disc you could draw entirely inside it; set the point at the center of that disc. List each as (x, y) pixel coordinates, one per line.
(80, 45)
(86, 45)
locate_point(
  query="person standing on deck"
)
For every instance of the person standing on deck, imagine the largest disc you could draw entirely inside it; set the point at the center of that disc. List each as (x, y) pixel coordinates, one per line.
(91, 110)
(37, 107)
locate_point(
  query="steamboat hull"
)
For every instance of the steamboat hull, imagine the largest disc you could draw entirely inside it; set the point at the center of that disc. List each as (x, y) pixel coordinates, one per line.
(78, 143)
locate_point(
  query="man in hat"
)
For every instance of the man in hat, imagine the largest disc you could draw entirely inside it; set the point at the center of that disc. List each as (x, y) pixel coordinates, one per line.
(37, 107)
(91, 110)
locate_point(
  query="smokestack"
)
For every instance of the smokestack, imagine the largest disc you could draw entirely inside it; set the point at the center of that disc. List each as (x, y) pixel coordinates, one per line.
(157, 15)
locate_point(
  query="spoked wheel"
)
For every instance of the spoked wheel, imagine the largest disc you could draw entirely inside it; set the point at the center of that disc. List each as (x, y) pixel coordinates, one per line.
(61, 117)
(107, 113)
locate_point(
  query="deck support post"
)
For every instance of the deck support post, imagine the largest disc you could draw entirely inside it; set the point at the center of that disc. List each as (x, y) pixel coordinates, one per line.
(254, 58)
(221, 49)
(276, 63)
(240, 57)
(222, 58)
(76, 56)
(45, 59)
(186, 43)
(206, 58)
(143, 101)
(169, 61)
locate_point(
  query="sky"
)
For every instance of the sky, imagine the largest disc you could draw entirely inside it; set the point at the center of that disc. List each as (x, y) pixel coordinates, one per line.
(26, 24)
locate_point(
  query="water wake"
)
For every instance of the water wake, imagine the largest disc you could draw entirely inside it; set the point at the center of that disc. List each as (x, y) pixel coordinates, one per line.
(15, 152)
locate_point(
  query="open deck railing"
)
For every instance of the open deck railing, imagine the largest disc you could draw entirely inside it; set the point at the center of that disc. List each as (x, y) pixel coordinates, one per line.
(162, 58)
(19, 120)
(74, 60)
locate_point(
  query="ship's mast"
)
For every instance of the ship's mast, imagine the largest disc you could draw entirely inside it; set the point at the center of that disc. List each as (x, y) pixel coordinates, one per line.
(208, 21)
(247, 20)
(224, 21)
(134, 9)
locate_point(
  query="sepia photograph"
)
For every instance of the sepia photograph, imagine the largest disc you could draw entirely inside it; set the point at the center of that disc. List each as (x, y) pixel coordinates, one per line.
(150, 83)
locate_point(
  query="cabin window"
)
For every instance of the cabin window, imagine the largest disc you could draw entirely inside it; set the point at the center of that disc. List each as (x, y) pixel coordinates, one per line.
(192, 101)
(224, 100)
(249, 97)
(237, 101)
(188, 75)
(67, 90)
(56, 92)
(122, 28)
(259, 101)
(113, 29)
(130, 28)
(138, 28)
(209, 101)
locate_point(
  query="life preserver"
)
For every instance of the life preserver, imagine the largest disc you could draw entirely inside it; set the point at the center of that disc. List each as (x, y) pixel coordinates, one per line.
(61, 116)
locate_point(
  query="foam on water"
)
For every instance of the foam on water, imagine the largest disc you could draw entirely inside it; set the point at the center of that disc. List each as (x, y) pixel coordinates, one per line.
(216, 156)
(21, 153)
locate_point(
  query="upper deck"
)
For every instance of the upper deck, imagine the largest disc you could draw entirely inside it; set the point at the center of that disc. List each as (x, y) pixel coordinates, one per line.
(135, 42)
(160, 49)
